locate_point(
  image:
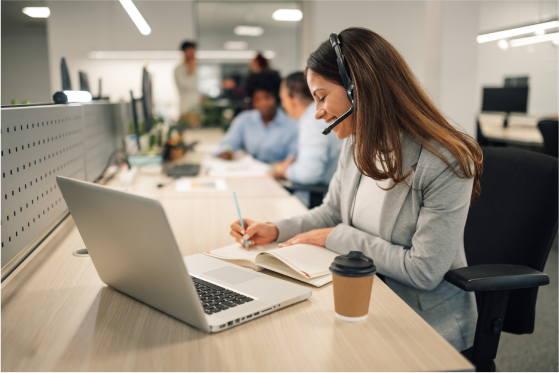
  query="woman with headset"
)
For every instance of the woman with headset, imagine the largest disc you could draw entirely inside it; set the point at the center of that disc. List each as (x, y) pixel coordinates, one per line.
(405, 180)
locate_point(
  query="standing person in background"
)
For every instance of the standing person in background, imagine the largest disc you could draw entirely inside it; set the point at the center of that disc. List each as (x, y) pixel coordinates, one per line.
(317, 157)
(185, 78)
(258, 64)
(266, 132)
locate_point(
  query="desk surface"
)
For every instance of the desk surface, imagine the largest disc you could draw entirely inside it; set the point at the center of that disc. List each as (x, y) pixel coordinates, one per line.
(526, 134)
(58, 315)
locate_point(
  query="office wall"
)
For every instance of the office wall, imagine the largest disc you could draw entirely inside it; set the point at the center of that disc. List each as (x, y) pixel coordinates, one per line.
(25, 67)
(283, 43)
(76, 28)
(436, 38)
(538, 61)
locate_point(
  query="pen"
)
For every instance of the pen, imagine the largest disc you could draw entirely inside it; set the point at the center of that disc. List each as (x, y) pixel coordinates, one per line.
(240, 218)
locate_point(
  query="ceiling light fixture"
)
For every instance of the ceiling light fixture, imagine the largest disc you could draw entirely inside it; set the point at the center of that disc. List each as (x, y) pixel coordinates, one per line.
(534, 39)
(503, 44)
(287, 15)
(37, 12)
(484, 38)
(136, 16)
(235, 45)
(248, 30)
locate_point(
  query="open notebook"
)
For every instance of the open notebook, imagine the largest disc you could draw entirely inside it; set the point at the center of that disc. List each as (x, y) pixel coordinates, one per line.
(307, 263)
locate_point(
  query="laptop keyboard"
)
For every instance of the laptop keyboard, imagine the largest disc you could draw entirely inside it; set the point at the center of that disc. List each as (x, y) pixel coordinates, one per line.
(215, 298)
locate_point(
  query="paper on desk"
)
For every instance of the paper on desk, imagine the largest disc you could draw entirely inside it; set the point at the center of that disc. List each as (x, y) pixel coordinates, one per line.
(200, 185)
(207, 148)
(246, 166)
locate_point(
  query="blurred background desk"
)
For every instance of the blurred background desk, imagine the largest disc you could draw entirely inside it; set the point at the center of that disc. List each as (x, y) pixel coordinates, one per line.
(522, 131)
(58, 315)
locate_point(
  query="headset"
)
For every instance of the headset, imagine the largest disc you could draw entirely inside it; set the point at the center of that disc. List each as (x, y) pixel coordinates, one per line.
(346, 80)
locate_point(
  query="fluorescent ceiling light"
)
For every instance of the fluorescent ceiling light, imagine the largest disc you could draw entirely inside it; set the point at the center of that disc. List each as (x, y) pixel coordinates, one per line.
(516, 31)
(248, 30)
(235, 45)
(269, 55)
(136, 16)
(534, 39)
(37, 12)
(287, 15)
(503, 44)
(177, 55)
(78, 96)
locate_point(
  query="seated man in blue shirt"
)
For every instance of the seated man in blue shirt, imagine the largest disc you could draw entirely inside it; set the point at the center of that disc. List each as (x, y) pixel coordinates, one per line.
(318, 155)
(266, 132)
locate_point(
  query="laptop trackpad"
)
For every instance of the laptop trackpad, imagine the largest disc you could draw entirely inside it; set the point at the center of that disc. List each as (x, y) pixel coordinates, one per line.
(231, 275)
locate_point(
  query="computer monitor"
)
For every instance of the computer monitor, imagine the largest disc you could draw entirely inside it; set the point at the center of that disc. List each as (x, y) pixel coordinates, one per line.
(66, 84)
(135, 119)
(84, 82)
(147, 103)
(518, 81)
(508, 99)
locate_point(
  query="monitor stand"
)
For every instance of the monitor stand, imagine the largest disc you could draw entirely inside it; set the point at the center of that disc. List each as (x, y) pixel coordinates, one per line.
(506, 121)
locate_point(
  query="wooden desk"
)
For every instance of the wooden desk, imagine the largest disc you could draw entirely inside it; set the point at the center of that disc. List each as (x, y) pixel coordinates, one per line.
(58, 315)
(265, 187)
(518, 132)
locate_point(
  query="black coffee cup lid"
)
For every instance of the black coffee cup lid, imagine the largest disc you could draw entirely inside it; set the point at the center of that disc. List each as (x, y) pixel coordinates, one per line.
(354, 264)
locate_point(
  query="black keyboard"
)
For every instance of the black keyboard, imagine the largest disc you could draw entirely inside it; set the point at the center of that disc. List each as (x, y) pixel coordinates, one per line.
(184, 170)
(215, 299)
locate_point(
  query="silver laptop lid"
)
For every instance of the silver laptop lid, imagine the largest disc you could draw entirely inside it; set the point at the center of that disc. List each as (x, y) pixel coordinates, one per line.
(133, 248)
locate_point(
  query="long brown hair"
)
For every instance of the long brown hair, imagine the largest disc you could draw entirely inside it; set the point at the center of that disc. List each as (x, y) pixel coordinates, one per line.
(389, 101)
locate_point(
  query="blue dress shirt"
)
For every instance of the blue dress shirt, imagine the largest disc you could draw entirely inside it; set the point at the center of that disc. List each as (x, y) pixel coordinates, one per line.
(317, 158)
(267, 143)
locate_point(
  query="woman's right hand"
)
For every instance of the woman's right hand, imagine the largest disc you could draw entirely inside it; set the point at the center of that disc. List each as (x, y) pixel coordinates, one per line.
(256, 233)
(226, 155)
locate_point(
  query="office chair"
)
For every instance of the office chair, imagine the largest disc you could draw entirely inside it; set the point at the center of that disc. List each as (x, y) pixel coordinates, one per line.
(507, 238)
(548, 128)
(482, 140)
(317, 192)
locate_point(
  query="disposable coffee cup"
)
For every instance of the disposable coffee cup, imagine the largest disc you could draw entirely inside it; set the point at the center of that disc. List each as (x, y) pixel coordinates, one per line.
(352, 275)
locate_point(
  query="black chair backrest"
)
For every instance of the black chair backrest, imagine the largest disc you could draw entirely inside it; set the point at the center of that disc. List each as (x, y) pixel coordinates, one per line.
(481, 140)
(514, 221)
(550, 133)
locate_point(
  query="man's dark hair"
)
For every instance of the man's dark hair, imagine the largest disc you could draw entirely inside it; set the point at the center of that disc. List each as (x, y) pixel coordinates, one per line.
(266, 80)
(187, 44)
(297, 86)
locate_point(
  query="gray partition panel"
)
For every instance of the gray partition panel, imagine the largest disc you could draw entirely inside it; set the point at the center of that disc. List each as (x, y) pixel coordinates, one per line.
(101, 137)
(38, 143)
(122, 116)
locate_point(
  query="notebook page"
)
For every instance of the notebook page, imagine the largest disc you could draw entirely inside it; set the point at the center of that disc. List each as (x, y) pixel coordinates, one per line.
(309, 260)
(236, 251)
(274, 264)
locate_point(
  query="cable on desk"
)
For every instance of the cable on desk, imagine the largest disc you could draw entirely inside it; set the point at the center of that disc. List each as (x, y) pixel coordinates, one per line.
(115, 152)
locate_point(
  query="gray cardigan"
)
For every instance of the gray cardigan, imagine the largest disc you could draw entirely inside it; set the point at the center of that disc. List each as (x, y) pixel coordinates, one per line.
(421, 235)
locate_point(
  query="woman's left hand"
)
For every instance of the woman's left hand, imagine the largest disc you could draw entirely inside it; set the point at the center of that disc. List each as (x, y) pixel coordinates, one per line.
(315, 237)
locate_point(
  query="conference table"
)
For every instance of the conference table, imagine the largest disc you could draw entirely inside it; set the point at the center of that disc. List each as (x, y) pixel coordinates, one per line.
(57, 315)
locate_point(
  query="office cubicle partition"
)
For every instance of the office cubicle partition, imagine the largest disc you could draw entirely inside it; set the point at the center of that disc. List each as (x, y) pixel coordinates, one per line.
(39, 143)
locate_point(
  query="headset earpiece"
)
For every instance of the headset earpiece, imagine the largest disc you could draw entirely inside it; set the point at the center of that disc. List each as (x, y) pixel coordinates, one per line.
(346, 80)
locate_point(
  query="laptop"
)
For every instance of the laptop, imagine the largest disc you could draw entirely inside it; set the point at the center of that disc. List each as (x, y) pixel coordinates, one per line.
(134, 251)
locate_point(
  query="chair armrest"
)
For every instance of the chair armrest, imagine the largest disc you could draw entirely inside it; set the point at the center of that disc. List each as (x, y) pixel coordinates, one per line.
(319, 188)
(488, 277)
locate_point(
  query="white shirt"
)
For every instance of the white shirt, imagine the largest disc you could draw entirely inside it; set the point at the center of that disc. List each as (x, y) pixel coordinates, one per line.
(368, 205)
(188, 91)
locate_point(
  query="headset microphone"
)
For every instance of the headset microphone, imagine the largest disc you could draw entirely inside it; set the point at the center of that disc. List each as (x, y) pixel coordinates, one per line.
(346, 80)
(328, 129)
